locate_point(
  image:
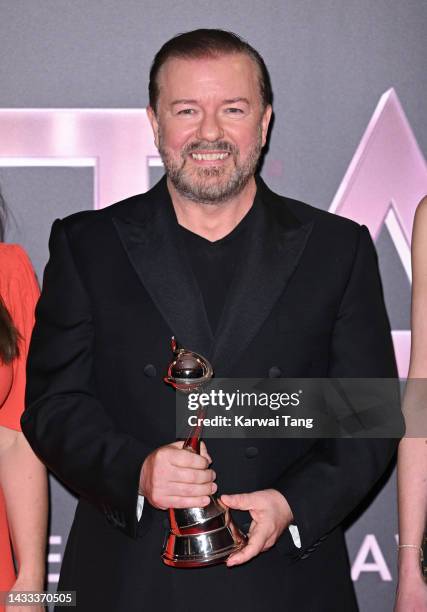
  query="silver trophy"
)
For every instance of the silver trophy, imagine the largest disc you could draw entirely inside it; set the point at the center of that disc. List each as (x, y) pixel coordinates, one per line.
(197, 537)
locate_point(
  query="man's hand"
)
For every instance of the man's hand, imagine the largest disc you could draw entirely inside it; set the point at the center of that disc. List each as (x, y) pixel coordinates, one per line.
(271, 515)
(172, 477)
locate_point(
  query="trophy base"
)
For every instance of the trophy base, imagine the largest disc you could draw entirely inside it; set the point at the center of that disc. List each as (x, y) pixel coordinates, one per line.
(203, 549)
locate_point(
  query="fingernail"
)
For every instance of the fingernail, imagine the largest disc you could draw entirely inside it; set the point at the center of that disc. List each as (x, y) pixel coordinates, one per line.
(214, 487)
(206, 501)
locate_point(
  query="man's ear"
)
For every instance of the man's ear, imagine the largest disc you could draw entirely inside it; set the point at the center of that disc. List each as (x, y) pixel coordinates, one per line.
(265, 122)
(151, 114)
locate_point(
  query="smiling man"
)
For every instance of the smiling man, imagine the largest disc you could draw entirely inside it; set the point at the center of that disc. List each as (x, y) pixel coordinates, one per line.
(261, 285)
(210, 143)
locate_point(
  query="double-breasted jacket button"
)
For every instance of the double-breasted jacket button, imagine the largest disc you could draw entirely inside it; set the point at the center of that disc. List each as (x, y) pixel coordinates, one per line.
(274, 372)
(150, 370)
(251, 452)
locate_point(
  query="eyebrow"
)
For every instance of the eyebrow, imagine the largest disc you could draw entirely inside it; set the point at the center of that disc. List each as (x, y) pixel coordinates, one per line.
(184, 101)
(234, 100)
(229, 101)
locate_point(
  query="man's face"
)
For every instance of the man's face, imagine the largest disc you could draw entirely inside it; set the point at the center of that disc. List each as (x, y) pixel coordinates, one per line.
(210, 125)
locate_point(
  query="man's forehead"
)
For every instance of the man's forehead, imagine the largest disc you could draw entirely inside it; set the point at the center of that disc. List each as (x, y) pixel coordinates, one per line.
(221, 64)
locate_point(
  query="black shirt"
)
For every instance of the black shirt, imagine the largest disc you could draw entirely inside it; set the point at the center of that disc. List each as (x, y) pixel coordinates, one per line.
(214, 264)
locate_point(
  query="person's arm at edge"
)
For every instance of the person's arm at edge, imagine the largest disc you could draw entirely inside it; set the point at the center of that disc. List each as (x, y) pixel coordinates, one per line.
(23, 477)
(24, 483)
(412, 454)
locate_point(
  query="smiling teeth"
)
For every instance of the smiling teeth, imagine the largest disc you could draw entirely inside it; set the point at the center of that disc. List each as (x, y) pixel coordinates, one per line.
(209, 156)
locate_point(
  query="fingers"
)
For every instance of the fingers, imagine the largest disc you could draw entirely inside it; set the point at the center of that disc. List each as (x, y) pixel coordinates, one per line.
(165, 490)
(188, 459)
(239, 501)
(203, 450)
(171, 477)
(177, 495)
(188, 502)
(193, 476)
(192, 490)
(270, 514)
(258, 537)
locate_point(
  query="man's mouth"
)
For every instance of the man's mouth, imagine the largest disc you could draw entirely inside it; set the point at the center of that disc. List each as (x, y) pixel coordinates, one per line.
(210, 156)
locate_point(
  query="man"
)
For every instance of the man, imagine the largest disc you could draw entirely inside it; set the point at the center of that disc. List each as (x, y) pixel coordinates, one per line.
(262, 286)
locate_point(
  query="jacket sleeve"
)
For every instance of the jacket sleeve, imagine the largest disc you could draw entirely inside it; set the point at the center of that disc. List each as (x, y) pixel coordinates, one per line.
(64, 421)
(327, 484)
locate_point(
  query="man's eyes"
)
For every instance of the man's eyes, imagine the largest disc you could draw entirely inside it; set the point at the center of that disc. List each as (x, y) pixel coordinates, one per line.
(186, 111)
(229, 110)
(232, 110)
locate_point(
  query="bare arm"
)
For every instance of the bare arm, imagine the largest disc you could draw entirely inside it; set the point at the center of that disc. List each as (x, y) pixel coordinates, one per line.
(24, 482)
(412, 457)
(412, 485)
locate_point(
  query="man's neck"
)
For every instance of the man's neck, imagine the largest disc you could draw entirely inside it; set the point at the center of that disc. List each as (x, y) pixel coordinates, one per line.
(212, 221)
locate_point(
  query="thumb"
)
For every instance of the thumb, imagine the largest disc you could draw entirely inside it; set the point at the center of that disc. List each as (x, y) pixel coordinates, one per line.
(239, 501)
(204, 452)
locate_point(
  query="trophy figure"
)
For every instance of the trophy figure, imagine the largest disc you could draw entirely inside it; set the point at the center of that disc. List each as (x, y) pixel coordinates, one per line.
(197, 537)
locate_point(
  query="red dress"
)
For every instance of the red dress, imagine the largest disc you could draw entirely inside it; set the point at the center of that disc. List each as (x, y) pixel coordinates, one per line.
(19, 291)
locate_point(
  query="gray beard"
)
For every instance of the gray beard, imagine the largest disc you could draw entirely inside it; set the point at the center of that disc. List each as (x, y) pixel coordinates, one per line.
(197, 187)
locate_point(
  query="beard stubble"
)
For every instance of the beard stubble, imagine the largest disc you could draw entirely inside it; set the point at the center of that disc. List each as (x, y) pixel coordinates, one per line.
(197, 185)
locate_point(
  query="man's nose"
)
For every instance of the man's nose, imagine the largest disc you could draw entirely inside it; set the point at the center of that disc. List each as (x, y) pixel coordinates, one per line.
(210, 128)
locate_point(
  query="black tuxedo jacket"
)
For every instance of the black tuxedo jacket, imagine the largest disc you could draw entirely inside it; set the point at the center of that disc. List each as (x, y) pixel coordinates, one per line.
(306, 302)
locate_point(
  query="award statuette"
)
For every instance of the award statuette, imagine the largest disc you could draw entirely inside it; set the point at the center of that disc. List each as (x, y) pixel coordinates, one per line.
(197, 537)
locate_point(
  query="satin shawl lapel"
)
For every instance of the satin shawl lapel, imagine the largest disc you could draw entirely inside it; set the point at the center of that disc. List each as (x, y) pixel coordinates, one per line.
(150, 239)
(275, 246)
